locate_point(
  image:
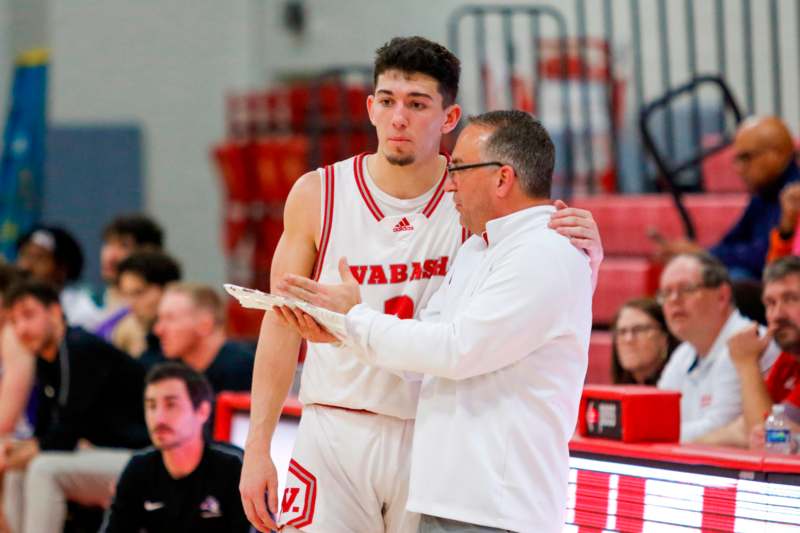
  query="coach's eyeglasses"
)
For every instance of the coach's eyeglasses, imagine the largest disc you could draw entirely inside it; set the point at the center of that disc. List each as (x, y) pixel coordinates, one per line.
(452, 169)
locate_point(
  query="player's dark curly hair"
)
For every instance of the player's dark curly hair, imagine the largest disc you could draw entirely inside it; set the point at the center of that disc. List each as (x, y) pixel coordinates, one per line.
(418, 54)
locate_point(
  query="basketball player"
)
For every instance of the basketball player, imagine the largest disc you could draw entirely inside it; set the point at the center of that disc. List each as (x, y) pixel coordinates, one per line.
(388, 214)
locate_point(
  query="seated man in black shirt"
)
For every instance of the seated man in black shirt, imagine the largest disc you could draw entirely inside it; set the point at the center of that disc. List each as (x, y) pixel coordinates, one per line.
(191, 328)
(88, 391)
(185, 483)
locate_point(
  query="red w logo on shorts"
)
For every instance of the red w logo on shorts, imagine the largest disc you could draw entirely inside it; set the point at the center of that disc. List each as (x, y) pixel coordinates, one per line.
(299, 498)
(289, 496)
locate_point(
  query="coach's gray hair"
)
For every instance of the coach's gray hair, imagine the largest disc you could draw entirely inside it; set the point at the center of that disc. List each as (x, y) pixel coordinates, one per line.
(521, 141)
(782, 268)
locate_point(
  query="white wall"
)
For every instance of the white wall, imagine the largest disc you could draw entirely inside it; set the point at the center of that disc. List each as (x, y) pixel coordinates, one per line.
(164, 65)
(23, 25)
(344, 31)
(28, 24)
(167, 64)
(349, 31)
(5, 62)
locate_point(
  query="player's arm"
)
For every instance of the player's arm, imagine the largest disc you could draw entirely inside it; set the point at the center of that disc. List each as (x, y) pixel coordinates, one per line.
(19, 367)
(276, 353)
(579, 226)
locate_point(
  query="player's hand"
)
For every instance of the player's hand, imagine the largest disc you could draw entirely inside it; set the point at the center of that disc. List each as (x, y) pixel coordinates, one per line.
(579, 226)
(304, 324)
(259, 477)
(339, 298)
(746, 346)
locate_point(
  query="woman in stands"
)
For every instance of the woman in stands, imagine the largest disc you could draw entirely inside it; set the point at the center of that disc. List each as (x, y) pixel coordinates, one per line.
(641, 343)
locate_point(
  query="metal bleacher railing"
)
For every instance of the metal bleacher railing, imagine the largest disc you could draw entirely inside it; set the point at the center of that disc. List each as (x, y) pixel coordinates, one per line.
(671, 170)
(587, 69)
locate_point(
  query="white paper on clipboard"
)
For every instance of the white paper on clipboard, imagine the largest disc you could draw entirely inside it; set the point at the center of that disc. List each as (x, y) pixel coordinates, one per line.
(255, 299)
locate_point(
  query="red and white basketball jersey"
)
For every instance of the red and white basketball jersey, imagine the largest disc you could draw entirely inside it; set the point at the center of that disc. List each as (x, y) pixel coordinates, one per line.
(399, 251)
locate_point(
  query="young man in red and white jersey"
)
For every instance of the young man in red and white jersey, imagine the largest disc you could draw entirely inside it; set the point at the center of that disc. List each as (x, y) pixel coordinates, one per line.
(387, 213)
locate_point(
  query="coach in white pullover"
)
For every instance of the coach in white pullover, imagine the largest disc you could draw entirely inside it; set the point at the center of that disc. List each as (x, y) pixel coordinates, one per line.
(502, 345)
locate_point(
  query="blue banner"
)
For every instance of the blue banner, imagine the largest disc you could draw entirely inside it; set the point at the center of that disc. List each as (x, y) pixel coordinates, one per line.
(22, 161)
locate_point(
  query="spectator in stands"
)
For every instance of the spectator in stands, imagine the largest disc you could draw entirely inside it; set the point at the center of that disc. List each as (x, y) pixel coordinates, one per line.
(191, 328)
(51, 254)
(695, 292)
(781, 238)
(185, 483)
(89, 392)
(121, 237)
(765, 159)
(17, 364)
(748, 347)
(16, 374)
(143, 277)
(641, 343)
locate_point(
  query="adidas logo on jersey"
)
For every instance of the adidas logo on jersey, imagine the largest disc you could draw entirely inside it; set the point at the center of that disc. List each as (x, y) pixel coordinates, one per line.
(403, 225)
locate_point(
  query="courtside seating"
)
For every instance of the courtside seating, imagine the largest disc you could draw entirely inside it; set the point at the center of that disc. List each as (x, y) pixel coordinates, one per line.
(599, 371)
(628, 270)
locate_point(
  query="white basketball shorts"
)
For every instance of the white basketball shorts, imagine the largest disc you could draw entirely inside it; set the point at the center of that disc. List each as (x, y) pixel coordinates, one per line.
(349, 474)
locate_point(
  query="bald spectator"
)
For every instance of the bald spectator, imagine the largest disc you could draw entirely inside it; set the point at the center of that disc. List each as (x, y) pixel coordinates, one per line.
(764, 158)
(191, 328)
(695, 292)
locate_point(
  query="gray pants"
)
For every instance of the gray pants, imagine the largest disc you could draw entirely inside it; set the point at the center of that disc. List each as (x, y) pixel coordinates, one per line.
(435, 524)
(35, 499)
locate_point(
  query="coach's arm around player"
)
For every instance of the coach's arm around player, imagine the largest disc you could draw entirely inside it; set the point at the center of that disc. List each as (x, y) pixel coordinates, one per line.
(506, 332)
(578, 225)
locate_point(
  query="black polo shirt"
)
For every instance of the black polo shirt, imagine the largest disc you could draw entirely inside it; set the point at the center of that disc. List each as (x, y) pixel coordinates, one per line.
(149, 499)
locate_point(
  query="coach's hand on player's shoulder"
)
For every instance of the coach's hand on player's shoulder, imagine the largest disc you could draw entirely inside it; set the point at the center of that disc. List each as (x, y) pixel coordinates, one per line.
(339, 297)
